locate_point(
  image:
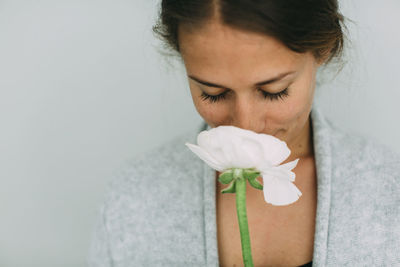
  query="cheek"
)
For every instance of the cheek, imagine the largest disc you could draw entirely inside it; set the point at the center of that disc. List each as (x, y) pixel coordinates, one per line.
(294, 111)
(213, 114)
(287, 112)
(301, 100)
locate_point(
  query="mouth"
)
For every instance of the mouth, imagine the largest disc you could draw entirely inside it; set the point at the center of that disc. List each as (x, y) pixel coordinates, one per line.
(276, 133)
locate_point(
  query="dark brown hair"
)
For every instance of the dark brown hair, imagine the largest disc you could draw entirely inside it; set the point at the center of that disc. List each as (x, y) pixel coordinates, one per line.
(301, 25)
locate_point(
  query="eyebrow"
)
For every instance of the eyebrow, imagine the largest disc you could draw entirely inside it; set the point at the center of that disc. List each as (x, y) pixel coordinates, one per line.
(272, 80)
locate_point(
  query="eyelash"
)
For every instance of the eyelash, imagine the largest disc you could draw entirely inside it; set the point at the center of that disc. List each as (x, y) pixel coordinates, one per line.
(215, 98)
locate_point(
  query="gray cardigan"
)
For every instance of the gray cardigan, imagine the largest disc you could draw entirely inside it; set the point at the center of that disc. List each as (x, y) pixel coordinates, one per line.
(160, 208)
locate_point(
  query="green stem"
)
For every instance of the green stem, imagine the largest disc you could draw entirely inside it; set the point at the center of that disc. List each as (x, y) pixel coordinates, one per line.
(242, 217)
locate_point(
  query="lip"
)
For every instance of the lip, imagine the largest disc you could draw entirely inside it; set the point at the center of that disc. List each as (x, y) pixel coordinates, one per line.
(275, 134)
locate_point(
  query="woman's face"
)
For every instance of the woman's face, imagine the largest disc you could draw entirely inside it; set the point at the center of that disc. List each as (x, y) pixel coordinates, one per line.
(245, 68)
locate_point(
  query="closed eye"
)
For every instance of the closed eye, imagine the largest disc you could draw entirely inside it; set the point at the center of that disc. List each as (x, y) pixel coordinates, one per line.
(277, 96)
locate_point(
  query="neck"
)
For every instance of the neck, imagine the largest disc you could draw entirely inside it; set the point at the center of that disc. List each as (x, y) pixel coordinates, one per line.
(303, 146)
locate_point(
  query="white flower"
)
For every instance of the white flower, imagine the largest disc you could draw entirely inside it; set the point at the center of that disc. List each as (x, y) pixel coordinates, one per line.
(227, 147)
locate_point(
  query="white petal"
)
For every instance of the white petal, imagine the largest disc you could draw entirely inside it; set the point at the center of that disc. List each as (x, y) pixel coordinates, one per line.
(279, 173)
(227, 144)
(229, 155)
(261, 140)
(210, 142)
(248, 150)
(231, 146)
(290, 165)
(279, 192)
(206, 157)
(242, 159)
(227, 147)
(252, 150)
(275, 150)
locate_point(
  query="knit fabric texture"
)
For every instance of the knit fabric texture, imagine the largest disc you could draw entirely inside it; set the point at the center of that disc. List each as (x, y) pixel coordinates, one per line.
(160, 208)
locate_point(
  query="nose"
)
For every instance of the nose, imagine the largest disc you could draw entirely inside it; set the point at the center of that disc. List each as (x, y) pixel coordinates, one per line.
(245, 115)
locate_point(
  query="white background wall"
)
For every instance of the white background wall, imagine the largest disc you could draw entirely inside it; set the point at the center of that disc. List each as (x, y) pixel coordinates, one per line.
(83, 89)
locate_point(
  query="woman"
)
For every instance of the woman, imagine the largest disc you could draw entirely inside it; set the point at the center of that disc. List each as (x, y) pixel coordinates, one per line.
(253, 64)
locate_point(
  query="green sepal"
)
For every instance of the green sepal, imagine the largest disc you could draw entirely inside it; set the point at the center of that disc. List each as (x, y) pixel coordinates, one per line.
(256, 184)
(251, 174)
(226, 177)
(251, 177)
(230, 189)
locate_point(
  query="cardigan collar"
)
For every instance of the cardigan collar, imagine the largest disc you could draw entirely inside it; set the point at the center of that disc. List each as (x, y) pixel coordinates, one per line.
(321, 129)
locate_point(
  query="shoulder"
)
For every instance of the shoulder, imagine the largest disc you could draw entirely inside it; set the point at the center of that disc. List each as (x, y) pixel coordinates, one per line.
(349, 151)
(363, 170)
(163, 160)
(363, 198)
(153, 199)
(359, 153)
(154, 176)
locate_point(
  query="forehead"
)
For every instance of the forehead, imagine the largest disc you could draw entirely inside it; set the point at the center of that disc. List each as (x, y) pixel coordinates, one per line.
(222, 50)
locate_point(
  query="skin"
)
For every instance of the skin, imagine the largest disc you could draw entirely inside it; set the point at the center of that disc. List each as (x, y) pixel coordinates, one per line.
(238, 60)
